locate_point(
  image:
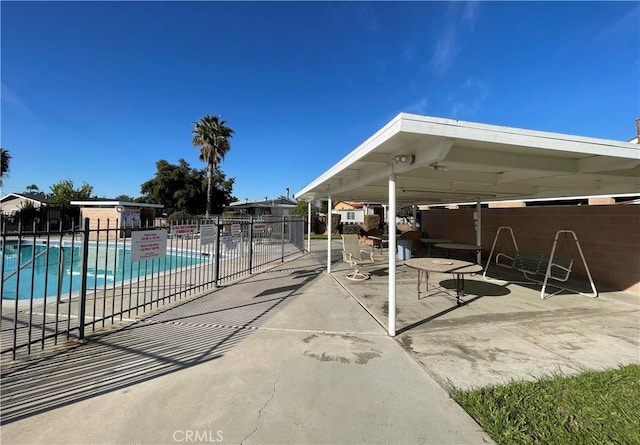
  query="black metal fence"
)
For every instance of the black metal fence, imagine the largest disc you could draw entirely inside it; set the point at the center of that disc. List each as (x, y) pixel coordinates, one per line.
(57, 285)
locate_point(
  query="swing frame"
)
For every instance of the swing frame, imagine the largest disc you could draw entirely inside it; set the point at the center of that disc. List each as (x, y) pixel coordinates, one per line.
(532, 264)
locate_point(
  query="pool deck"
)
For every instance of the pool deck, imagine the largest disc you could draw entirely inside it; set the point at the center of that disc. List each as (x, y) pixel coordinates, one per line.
(294, 355)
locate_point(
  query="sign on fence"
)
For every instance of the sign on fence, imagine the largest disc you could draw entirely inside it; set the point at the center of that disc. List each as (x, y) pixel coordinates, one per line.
(227, 240)
(148, 244)
(207, 234)
(184, 229)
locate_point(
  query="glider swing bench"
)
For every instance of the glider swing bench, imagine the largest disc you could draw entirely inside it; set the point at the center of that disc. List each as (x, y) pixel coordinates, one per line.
(538, 267)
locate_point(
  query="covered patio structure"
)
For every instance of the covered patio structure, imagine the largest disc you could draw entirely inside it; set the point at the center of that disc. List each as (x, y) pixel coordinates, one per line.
(426, 160)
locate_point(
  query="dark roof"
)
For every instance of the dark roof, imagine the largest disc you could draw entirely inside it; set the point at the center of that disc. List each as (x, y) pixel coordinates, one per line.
(280, 202)
(38, 197)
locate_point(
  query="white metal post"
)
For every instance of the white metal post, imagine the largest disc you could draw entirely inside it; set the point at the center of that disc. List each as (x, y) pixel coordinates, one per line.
(329, 224)
(391, 224)
(478, 230)
(308, 226)
(414, 207)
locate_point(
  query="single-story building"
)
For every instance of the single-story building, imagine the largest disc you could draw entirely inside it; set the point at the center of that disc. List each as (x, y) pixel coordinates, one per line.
(352, 212)
(266, 207)
(117, 214)
(12, 203)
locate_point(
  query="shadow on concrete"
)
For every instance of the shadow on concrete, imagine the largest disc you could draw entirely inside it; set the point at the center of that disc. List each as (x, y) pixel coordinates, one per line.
(478, 289)
(167, 341)
(404, 329)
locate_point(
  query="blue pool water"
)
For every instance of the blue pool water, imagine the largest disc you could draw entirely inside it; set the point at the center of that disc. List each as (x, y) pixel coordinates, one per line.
(106, 266)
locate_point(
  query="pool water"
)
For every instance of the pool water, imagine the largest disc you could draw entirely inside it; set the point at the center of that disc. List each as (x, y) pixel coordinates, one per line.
(107, 266)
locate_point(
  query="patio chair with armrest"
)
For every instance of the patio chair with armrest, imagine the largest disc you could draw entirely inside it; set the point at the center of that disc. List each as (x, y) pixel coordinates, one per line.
(355, 257)
(373, 238)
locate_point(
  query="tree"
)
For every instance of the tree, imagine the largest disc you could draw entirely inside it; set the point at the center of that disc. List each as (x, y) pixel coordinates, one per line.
(302, 209)
(212, 136)
(124, 198)
(32, 188)
(62, 193)
(180, 188)
(5, 157)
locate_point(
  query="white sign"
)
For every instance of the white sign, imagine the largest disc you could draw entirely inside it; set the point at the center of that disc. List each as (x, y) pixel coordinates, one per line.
(236, 228)
(227, 240)
(148, 244)
(259, 226)
(184, 229)
(130, 218)
(207, 234)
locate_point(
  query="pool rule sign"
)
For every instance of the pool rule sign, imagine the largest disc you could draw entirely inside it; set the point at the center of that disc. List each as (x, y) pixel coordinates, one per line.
(148, 244)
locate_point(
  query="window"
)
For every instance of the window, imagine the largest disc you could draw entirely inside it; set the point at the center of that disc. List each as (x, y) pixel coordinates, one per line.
(351, 216)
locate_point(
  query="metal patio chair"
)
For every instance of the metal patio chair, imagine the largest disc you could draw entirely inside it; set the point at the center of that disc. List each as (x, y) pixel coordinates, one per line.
(355, 257)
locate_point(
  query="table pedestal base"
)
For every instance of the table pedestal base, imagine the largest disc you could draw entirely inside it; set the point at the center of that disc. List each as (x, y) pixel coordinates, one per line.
(458, 279)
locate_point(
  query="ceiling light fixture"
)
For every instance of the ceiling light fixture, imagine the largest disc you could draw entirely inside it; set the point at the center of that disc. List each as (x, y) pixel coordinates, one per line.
(403, 159)
(439, 168)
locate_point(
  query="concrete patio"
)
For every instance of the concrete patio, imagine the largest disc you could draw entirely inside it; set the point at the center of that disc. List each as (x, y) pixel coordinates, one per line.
(294, 355)
(505, 331)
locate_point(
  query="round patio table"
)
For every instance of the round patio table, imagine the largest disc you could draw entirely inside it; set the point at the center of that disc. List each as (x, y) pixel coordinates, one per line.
(458, 268)
(459, 246)
(430, 241)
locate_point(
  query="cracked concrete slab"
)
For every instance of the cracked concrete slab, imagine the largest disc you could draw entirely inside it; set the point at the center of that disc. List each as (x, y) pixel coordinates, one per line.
(303, 364)
(505, 331)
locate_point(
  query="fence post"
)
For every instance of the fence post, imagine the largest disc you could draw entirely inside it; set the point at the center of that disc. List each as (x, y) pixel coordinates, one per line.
(284, 226)
(250, 244)
(83, 278)
(216, 257)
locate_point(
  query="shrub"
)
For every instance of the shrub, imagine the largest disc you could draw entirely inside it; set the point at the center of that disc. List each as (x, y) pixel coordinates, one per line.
(350, 229)
(371, 222)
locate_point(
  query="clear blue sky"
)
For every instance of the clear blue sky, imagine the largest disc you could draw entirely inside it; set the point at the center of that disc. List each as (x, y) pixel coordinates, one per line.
(99, 92)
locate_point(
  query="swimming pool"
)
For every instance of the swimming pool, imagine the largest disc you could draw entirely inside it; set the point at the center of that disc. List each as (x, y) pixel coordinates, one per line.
(49, 269)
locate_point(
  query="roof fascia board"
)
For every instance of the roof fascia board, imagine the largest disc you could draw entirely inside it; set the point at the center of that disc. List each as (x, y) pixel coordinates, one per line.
(116, 203)
(19, 196)
(514, 136)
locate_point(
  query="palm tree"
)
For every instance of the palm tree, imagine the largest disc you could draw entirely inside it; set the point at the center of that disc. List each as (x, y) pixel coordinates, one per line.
(32, 188)
(212, 136)
(5, 157)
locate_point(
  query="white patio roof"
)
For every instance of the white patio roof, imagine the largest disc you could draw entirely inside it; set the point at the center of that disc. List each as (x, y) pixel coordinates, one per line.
(426, 160)
(454, 161)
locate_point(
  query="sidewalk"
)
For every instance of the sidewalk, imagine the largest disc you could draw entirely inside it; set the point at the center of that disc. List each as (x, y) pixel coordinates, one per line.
(286, 356)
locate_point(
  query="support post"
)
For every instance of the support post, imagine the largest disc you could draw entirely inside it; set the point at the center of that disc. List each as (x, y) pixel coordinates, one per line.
(392, 255)
(329, 224)
(415, 215)
(478, 230)
(308, 226)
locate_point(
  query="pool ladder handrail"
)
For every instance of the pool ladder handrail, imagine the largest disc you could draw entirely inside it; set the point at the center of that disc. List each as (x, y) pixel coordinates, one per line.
(31, 261)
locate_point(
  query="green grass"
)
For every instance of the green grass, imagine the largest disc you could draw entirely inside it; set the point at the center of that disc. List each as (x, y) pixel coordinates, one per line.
(590, 408)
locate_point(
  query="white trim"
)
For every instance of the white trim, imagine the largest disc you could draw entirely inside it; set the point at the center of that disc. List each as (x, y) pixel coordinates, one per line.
(115, 203)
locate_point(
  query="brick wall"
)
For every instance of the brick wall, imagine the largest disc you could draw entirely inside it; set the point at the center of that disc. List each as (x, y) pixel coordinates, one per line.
(609, 236)
(101, 215)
